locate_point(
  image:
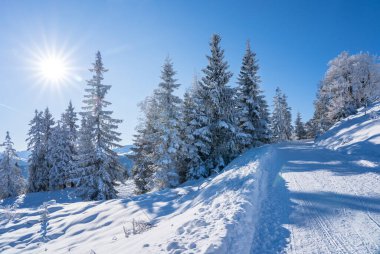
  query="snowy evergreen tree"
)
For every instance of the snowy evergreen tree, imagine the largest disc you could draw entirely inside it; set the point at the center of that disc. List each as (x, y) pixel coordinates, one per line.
(281, 123)
(69, 126)
(251, 105)
(143, 146)
(167, 141)
(61, 159)
(35, 147)
(38, 144)
(100, 165)
(220, 130)
(351, 82)
(69, 121)
(11, 181)
(193, 114)
(299, 128)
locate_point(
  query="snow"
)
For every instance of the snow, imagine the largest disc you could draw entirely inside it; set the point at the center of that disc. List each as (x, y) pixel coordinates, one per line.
(207, 216)
(319, 199)
(357, 134)
(292, 197)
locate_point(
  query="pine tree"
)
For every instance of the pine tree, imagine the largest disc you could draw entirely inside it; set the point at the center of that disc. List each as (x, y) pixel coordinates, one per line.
(60, 158)
(69, 126)
(36, 152)
(38, 144)
(281, 118)
(143, 146)
(47, 126)
(101, 166)
(166, 139)
(251, 105)
(299, 131)
(217, 99)
(11, 181)
(191, 132)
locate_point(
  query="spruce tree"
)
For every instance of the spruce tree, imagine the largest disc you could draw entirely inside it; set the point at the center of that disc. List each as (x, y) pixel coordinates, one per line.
(60, 158)
(251, 105)
(281, 118)
(69, 126)
(299, 130)
(166, 139)
(11, 181)
(193, 145)
(36, 152)
(217, 99)
(143, 145)
(101, 166)
(38, 144)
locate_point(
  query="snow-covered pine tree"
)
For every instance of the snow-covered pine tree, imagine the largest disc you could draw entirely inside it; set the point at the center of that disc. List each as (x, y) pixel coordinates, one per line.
(86, 156)
(35, 147)
(217, 99)
(143, 145)
(167, 141)
(38, 144)
(281, 118)
(69, 125)
(60, 158)
(47, 126)
(104, 169)
(11, 181)
(252, 108)
(299, 128)
(193, 146)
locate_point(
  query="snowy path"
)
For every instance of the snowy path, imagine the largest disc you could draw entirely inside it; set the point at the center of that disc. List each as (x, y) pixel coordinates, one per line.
(319, 201)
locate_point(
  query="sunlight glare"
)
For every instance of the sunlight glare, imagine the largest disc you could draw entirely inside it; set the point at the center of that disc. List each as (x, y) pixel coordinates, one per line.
(53, 69)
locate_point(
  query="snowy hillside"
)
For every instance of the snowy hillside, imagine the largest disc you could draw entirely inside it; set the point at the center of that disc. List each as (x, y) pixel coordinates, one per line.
(213, 216)
(357, 134)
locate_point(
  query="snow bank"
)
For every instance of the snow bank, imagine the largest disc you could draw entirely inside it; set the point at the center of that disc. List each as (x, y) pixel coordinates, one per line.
(358, 134)
(216, 215)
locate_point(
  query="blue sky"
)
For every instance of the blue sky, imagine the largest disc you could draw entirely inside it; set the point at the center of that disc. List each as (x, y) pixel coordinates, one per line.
(293, 40)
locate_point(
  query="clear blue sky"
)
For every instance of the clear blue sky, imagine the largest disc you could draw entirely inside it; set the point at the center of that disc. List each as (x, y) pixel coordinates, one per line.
(293, 40)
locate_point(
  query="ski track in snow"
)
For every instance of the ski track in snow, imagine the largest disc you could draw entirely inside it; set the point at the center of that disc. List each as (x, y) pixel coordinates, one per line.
(319, 201)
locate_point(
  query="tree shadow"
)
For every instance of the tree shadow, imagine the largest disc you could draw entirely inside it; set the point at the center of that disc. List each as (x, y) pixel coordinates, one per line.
(328, 203)
(270, 235)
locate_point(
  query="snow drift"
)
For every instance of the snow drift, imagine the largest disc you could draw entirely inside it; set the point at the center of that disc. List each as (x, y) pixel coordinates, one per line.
(356, 134)
(215, 215)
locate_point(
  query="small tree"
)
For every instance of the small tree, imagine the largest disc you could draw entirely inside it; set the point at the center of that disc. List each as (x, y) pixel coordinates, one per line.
(61, 159)
(11, 181)
(281, 118)
(194, 144)
(299, 131)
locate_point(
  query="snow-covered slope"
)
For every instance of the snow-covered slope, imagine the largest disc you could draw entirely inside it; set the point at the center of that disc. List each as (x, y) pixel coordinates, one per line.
(215, 215)
(357, 134)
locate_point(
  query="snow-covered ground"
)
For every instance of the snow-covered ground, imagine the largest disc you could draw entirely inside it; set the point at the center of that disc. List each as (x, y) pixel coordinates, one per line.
(358, 134)
(295, 197)
(206, 216)
(319, 201)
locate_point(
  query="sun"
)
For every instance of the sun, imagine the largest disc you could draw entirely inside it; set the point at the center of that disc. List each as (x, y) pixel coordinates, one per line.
(53, 69)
